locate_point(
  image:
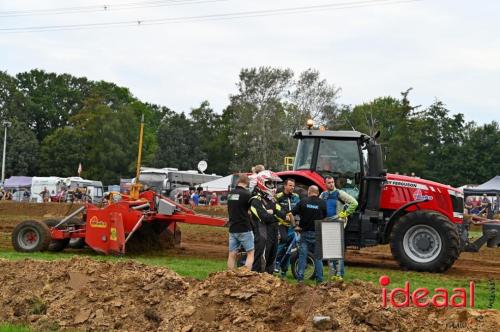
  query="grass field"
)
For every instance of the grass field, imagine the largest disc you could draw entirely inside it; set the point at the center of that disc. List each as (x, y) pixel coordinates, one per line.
(200, 268)
(13, 328)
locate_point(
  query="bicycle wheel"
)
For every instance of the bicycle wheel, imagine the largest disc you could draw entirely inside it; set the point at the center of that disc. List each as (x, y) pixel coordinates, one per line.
(310, 265)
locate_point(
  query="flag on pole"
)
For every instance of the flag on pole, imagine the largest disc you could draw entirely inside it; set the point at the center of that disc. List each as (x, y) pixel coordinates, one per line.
(79, 169)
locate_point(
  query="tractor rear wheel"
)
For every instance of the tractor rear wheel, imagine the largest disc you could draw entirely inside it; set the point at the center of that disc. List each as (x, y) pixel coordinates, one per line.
(56, 245)
(31, 236)
(425, 241)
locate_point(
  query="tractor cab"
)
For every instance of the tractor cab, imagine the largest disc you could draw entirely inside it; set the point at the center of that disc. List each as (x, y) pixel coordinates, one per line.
(338, 154)
(354, 160)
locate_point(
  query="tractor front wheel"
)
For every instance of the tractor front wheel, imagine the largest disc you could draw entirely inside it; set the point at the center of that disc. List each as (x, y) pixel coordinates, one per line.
(31, 236)
(425, 241)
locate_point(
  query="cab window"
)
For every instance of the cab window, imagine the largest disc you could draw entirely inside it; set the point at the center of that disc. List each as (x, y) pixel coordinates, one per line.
(340, 159)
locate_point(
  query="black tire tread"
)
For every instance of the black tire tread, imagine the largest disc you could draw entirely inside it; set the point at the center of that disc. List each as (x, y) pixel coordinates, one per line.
(44, 235)
(451, 240)
(294, 258)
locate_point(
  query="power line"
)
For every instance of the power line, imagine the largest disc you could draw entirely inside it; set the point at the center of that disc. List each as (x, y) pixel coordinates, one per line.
(212, 17)
(103, 7)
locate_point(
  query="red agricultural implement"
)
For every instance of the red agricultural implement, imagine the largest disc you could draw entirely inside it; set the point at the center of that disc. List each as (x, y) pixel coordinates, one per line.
(107, 229)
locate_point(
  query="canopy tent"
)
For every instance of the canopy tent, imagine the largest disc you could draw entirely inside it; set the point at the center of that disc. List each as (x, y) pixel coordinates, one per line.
(491, 188)
(18, 182)
(221, 184)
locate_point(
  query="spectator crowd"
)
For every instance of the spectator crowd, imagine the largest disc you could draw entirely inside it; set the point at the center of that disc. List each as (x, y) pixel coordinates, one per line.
(265, 224)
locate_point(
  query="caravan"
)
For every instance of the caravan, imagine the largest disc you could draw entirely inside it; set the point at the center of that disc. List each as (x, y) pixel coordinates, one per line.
(53, 184)
(165, 181)
(93, 189)
(59, 189)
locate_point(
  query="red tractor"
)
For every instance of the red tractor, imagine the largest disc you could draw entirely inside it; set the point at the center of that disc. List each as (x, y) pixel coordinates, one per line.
(420, 219)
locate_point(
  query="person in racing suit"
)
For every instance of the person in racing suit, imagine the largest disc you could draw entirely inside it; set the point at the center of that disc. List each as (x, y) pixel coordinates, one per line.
(265, 212)
(287, 199)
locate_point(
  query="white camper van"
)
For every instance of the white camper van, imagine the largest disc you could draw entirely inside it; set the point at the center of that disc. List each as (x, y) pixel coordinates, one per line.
(53, 184)
(93, 188)
(95, 191)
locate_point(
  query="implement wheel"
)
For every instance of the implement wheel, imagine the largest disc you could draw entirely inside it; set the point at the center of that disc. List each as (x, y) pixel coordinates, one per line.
(31, 236)
(59, 244)
(425, 241)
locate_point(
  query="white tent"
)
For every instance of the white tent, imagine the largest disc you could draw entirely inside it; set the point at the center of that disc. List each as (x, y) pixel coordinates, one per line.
(221, 184)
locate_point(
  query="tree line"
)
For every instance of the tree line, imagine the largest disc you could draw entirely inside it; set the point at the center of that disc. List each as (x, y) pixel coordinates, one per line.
(59, 121)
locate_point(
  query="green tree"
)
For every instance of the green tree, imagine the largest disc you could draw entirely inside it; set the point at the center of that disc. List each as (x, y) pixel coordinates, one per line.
(259, 117)
(314, 99)
(396, 121)
(11, 100)
(480, 153)
(178, 144)
(212, 131)
(104, 140)
(51, 99)
(22, 150)
(441, 144)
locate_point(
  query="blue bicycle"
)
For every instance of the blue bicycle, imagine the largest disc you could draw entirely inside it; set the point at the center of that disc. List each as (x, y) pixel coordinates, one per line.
(291, 253)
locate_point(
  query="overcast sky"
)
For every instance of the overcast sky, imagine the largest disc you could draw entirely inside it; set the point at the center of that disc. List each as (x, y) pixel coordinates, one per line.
(444, 49)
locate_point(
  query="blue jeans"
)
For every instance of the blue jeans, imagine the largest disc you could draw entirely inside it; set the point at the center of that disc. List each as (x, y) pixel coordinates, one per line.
(337, 265)
(308, 243)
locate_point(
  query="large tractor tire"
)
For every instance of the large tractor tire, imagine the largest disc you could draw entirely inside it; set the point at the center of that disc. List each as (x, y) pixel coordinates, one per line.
(425, 241)
(31, 236)
(59, 244)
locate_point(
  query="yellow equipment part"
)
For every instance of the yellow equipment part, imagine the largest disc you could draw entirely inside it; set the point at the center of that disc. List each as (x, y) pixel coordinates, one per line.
(136, 187)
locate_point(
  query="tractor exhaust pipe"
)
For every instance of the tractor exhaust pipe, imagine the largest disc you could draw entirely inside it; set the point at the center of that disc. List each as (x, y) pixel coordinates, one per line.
(376, 173)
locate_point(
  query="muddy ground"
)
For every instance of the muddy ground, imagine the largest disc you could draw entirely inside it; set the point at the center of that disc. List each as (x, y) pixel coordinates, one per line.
(211, 242)
(86, 294)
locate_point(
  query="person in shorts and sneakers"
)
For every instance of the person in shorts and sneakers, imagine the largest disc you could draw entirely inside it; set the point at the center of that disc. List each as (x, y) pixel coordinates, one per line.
(240, 228)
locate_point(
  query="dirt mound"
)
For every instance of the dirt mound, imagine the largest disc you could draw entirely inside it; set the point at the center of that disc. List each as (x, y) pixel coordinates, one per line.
(85, 293)
(92, 295)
